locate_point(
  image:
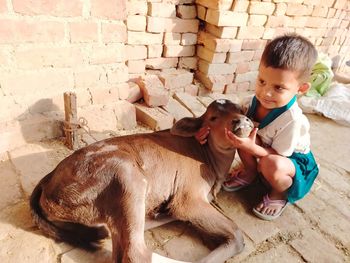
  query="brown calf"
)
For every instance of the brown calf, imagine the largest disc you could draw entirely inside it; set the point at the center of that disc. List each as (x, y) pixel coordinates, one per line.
(136, 182)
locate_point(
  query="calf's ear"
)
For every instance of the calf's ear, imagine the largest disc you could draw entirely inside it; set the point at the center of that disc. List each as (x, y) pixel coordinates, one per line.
(186, 127)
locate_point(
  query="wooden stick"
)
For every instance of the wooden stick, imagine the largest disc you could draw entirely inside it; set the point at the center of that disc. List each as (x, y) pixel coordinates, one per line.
(71, 123)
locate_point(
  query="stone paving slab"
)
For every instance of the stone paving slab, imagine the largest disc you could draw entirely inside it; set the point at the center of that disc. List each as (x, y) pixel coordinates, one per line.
(316, 229)
(316, 248)
(281, 253)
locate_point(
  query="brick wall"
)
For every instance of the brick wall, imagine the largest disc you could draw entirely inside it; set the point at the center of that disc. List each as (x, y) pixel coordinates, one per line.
(93, 47)
(49, 47)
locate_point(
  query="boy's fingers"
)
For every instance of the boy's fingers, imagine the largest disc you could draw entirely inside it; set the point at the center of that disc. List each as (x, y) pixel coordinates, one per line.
(253, 133)
(203, 141)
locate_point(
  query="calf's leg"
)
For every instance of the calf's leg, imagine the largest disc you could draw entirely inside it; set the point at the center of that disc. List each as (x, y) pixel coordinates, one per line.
(126, 218)
(212, 222)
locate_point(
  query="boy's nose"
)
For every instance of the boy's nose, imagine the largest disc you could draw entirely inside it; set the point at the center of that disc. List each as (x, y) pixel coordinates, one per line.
(268, 93)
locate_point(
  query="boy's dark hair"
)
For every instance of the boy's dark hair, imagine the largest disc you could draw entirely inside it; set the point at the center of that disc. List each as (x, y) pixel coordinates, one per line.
(291, 52)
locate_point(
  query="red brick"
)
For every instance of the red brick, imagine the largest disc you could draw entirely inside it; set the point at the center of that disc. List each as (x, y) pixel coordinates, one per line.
(114, 32)
(222, 31)
(214, 82)
(104, 95)
(176, 79)
(188, 39)
(186, 11)
(107, 54)
(211, 56)
(242, 67)
(31, 85)
(153, 91)
(188, 62)
(111, 9)
(241, 56)
(190, 102)
(5, 57)
(66, 8)
(144, 38)
(176, 109)
(212, 69)
(161, 9)
(126, 115)
(174, 25)
(172, 38)
(90, 77)
(226, 18)
(118, 74)
(19, 31)
(222, 4)
(179, 51)
(253, 44)
(154, 51)
(3, 6)
(83, 32)
(40, 57)
(136, 52)
(243, 86)
(136, 23)
(250, 32)
(155, 118)
(161, 63)
(230, 88)
(191, 89)
(137, 7)
(136, 66)
(201, 12)
(261, 8)
(130, 92)
(213, 43)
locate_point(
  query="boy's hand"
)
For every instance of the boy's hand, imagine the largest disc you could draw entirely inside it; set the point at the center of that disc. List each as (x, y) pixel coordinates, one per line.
(202, 134)
(246, 144)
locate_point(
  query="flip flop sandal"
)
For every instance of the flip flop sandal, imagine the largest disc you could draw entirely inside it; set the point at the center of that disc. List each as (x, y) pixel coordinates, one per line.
(242, 183)
(267, 201)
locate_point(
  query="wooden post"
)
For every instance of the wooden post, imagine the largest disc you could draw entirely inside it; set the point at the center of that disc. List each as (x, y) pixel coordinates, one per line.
(71, 120)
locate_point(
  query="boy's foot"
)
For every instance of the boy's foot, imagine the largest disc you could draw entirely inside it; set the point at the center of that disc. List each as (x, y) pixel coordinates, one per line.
(238, 180)
(270, 209)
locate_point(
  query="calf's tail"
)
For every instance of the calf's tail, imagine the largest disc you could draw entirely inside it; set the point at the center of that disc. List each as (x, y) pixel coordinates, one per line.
(75, 234)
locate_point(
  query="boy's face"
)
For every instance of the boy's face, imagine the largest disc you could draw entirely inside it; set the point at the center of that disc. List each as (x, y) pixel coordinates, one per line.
(276, 87)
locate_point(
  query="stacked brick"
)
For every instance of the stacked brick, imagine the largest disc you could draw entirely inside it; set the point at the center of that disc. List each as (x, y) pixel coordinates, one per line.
(235, 33)
(161, 35)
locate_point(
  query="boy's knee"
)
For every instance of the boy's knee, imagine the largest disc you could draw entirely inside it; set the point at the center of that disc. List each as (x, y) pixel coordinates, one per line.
(268, 163)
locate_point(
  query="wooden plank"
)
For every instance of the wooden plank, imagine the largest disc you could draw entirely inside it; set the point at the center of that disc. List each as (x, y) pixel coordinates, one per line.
(71, 120)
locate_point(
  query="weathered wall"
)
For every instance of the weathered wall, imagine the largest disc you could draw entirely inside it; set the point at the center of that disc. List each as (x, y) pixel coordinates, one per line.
(94, 47)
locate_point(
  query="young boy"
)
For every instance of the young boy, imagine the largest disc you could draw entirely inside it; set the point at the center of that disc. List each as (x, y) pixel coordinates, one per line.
(281, 152)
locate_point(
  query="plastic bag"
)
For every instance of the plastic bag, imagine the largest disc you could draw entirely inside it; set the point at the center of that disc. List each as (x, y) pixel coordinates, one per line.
(321, 76)
(335, 104)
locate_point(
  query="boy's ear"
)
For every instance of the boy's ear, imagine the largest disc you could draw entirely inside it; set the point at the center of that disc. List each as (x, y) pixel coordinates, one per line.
(304, 87)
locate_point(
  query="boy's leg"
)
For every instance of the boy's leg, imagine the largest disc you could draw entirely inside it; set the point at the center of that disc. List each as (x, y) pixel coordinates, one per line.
(278, 171)
(248, 174)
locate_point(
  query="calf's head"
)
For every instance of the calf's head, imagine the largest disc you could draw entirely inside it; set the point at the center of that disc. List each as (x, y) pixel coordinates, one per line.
(219, 115)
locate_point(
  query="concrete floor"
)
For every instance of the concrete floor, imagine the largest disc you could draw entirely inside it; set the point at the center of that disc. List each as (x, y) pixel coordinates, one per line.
(316, 229)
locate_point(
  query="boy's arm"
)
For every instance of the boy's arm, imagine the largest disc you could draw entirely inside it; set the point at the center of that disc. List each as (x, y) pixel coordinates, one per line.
(249, 144)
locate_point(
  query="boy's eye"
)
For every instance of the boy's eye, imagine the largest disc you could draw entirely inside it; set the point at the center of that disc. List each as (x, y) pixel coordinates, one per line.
(261, 82)
(213, 118)
(279, 88)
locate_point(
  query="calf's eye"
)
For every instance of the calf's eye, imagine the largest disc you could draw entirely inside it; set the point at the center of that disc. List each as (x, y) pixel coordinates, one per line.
(235, 121)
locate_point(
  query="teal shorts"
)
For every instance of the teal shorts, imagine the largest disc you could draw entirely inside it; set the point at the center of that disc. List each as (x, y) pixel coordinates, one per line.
(306, 171)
